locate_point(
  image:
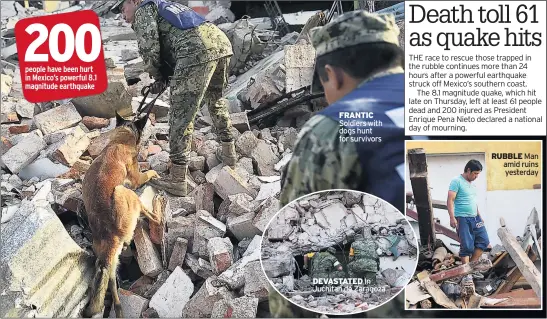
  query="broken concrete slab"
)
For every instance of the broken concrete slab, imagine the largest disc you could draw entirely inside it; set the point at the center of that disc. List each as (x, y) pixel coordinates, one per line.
(283, 162)
(24, 153)
(221, 254)
(240, 204)
(43, 168)
(185, 202)
(229, 183)
(159, 162)
(264, 159)
(58, 118)
(179, 253)
(132, 304)
(242, 226)
(42, 266)
(25, 108)
(256, 284)
(206, 228)
(242, 307)
(240, 121)
(196, 163)
(199, 266)
(114, 99)
(246, 143)
(331, 215)
(204, 194)
(278, 264)
(254, 246)
(269, 190)
(72, 147)
(147, 255)
(266, 212)
(171, 298)
(208, 147)
(234, 277)
(299, 66)
(201, 304)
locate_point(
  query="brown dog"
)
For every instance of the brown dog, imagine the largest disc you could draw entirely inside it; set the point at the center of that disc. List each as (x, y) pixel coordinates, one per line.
(113, 208)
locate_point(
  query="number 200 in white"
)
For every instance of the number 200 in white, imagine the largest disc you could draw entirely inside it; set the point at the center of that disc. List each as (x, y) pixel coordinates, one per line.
(72, 43)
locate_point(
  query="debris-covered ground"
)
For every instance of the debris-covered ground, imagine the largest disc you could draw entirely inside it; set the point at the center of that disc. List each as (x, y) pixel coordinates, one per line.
(507, 276)
(332, 219)
(205, 262)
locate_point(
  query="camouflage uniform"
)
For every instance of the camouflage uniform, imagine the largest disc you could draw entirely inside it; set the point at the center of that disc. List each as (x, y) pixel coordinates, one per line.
(365, 260)
(198, 58)
(320, 160)
(324, 265)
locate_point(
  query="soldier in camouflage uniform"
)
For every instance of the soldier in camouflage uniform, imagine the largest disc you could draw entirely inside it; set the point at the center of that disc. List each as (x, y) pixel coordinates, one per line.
(179, 46)
(360, 66)
(325, 265)
(365, 261)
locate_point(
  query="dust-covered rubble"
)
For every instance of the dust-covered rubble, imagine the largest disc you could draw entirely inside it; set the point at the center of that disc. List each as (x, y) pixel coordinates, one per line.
(333, 219)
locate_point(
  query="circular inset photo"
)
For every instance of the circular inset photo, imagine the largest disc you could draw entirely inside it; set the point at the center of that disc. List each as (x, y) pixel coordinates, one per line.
(339, 252)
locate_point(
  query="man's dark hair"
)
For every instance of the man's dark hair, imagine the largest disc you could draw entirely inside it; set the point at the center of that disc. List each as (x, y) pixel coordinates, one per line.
(473, 165)
(363, 60)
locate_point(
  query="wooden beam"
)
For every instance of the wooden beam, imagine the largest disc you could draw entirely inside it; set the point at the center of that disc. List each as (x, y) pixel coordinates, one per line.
(517, 303)
(479, 265)
(474, 301)
(519, 256)
(435, 291)
(435, 202)
(514, 275)
(420, 188)
(439, 229)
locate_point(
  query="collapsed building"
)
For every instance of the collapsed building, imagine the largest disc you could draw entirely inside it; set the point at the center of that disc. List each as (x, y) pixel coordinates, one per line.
(506, 276)
(333, 219)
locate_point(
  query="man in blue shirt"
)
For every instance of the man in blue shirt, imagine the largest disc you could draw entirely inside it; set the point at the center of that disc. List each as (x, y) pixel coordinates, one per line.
(464, 213)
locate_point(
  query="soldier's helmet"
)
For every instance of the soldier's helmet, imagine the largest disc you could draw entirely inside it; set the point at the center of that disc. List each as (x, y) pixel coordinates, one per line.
(331, 250)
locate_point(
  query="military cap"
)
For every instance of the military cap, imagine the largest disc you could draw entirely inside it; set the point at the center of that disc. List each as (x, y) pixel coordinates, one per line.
(116, 7)
(331, 250)
(353, 28)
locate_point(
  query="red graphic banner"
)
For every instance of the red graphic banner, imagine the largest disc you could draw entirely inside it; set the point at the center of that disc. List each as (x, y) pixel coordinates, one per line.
(61, 56)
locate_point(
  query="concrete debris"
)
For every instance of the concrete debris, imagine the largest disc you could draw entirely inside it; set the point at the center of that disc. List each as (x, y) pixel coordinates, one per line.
(256, 285)
(48, 147)
(229, 183)
(206, 228)
(171, 298)
(22, 154)
(147, 254)
(179, 253)
(243, 226)
(132, 304)
(58, 118)
(220, 254)
(299, 66)
(201, 304)
(242, 307)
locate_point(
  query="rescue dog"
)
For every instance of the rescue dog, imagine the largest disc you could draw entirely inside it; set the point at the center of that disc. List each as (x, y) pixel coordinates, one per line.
(113, 208)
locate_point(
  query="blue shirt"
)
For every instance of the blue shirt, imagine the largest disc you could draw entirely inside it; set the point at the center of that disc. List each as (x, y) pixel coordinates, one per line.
(465, 203)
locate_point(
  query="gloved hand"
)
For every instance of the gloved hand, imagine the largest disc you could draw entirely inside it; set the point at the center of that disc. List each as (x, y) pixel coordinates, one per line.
(157, 86)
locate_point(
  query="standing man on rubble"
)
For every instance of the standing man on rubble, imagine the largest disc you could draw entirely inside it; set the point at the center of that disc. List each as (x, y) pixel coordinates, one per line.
(365, 262)
(464, 213)
(180, 48)
(360, 66)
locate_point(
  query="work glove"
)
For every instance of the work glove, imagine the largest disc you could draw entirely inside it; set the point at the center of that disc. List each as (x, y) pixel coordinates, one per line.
(157, 86)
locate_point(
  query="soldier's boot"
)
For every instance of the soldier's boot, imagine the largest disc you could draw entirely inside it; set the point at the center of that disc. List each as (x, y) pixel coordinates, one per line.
(175, 183)
(227, 154)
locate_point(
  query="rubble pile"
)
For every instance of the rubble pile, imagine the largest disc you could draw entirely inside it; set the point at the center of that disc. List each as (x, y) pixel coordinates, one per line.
(204, 261)
(501, 278)
(332, 219)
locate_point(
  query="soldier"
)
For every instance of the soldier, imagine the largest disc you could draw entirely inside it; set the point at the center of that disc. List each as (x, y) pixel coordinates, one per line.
(364, 259)
(178, 46)
(360, 66)
(324, 264)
